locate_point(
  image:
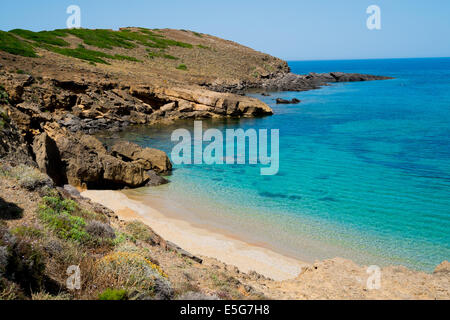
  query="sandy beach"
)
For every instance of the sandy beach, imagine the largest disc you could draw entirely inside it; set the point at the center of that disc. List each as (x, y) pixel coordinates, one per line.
(201, 241)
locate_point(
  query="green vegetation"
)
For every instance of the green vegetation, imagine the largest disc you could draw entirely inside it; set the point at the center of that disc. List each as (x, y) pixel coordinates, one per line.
(47, 37)
(3, 118)
(28, 177)
(59, 216)
(104, 39)
(20, 71)
(182, 67)
(203, 47)
(113, 294)
(25, 231)
(121, 57)
(139, 231)
(100, 38)
(83, 54)
(3, 95)
(13, 45)
(161, 54)
(198, 34)
(168, 56)
(3, 100)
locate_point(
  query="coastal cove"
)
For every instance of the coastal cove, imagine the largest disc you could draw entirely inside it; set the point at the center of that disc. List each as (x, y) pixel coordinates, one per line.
(363, 170)
(347, 178)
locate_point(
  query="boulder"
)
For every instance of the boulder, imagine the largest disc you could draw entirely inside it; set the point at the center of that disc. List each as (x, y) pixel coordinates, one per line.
(155, 180)
(88, 164)
(48, 158)
(148, 158)
(117, 172)
(283, 101)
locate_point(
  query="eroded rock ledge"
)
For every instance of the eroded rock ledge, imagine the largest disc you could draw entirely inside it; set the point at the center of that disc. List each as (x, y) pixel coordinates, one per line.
(56, 120)
(57, 117)
(90, 107)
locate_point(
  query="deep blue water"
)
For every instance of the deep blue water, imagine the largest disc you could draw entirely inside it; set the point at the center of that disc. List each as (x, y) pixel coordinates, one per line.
(364, 169)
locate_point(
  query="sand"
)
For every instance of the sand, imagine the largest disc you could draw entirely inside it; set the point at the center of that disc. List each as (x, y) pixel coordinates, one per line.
(201, 241)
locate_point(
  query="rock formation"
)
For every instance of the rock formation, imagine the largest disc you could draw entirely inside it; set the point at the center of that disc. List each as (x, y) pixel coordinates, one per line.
(284, 101)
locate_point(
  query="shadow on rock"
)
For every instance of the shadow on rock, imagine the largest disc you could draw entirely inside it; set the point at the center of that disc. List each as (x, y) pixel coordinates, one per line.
(9, 211)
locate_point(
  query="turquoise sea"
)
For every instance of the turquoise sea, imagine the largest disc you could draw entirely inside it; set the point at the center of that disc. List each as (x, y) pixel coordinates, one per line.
(364, 170)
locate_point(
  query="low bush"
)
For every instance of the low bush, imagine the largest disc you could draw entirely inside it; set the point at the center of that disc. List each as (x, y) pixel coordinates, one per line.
(100, 230)
(135, 273)
(26, 231)
(58, 215)
(140, 231)
(182, 67)
(3, 95)
(25, 266)
(48, 297)
(30, 178)
(161, 54)
(121, 57)
(113, 294)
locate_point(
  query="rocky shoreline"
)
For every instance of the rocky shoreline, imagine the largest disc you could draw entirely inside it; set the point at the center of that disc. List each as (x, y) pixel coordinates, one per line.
(293, 82)
(57, 119)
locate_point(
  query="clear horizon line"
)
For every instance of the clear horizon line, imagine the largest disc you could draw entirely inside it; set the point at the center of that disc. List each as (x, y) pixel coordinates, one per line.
(353, 59)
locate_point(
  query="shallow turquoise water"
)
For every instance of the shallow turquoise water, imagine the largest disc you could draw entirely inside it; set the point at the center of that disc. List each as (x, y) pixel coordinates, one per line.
(364, 169)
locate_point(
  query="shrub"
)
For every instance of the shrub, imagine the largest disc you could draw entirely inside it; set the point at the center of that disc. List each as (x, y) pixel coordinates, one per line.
(30, 178)
(3, 259)
(161, 54)
(100, 230)
(57, 214)
(113, 294)
(48, 297)
(25, 266)
(168, 56)
(3, 95)
(140, 231)
(25, 231)
(182, 67)
(9, 290)
(4, 119)
(135, 273)
(118, 259)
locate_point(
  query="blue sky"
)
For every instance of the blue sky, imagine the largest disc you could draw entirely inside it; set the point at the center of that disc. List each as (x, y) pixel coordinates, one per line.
(290, 29)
